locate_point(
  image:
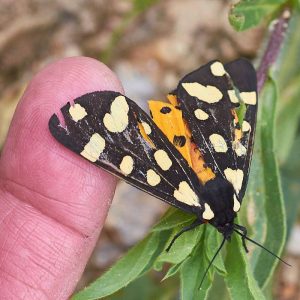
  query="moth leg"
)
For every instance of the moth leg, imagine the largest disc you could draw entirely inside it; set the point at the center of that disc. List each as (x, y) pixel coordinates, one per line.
(196, 223)
(244, 234)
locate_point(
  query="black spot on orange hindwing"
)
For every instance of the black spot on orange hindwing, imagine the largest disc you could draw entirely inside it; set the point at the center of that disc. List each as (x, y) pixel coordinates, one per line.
(165, 110)
(179, 140)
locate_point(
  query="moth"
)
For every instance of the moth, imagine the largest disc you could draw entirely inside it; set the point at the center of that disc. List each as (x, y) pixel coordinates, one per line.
(193, 153)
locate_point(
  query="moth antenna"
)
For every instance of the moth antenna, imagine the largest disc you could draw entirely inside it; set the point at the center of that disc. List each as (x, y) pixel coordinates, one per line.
(261, 246)
(211, 262)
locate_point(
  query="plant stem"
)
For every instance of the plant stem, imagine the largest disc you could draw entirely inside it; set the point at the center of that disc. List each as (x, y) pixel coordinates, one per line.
(273, 47)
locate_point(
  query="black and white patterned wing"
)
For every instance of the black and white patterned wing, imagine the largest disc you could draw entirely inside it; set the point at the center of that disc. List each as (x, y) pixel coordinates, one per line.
(209, 98)
(243, 76)
(112, 132)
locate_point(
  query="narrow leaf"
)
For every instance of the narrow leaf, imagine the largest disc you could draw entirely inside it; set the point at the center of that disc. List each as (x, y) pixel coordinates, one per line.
(212, 242)
(182, 247)
(288, 82)
(191, 274)
(240, 281)
(218, 289)
(173, 218)
(136, 262)
(172, 271)
(291, 185)
(275, 227)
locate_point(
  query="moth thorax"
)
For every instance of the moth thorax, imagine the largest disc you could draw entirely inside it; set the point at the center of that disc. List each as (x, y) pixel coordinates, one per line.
(219, 194)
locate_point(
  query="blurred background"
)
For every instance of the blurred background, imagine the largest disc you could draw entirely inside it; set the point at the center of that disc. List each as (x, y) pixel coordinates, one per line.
(150, 45)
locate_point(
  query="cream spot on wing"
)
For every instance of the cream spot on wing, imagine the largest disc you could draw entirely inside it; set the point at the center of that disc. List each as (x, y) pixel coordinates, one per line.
(239, 148)
(208, 214)
(77, 112)
(201, 114)
(126, 165)
(232, 96)
(217, 69)
(249, 97)
(153, 178)
(246, 126)
(218, 143)
(209, 93)
(236, 204)
(94, 147)
(146, 127)
(185, 194)
(117, 120)
(235, 177)
(163, 159)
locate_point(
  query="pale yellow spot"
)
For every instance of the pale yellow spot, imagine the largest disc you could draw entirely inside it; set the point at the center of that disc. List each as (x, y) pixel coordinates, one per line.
(185, 194)
(117, 120)
(236, 204)
(163, 159)
(218, 143)
(248, 97)
(208, 214)
(239, 149)
(146, 127)
(235, 177)
(201, 114)
(153, 178)
(232, 96)
(94, 147)
(126, 165)
(77, 112)
(217, 69)
(209, 93)
(246, 126)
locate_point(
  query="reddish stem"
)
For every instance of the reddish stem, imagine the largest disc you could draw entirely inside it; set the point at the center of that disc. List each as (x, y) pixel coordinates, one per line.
(273, 47)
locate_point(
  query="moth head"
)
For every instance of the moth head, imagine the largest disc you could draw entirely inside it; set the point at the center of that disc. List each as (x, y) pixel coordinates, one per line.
(226, 230)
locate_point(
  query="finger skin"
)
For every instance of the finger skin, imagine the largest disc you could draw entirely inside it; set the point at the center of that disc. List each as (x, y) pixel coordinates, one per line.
(52, 203)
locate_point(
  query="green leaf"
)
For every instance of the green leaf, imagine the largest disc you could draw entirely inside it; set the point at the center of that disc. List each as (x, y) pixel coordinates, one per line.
(287, 120)
(240, 281)
(182, 247)
(173, 218)
(172, 271)
(275, 226)
(139, 289)
(288, 117)
(265, 209)
(146, 288)
(136, 262)
(288, 82)
(291, 184)
(191, 274)
(250, 13)
(218, 289)
(212, 242)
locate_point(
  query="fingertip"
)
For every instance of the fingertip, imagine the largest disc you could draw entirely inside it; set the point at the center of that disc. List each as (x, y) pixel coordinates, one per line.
(34, 159)
(72, 77)
(57, 197)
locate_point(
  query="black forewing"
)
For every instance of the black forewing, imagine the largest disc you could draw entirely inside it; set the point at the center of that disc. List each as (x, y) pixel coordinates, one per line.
(219, 121)
(130, 142)
(239, 77)
(243, 76)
